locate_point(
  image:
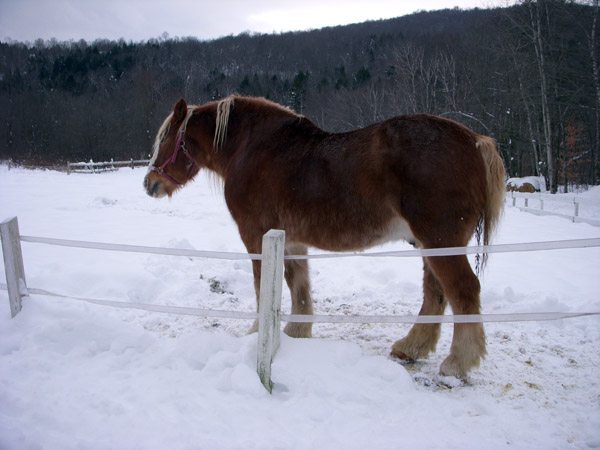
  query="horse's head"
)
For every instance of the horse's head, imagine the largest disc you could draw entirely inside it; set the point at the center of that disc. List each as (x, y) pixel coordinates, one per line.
(172, 164)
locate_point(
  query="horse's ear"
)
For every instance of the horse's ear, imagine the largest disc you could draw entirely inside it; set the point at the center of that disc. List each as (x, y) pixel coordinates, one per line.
(180, 111)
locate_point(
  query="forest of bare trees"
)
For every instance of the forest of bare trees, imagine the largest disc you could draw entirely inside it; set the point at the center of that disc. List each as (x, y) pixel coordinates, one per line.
(527, 75)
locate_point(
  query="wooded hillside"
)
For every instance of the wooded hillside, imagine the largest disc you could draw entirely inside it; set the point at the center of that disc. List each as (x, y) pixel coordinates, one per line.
(526, 75)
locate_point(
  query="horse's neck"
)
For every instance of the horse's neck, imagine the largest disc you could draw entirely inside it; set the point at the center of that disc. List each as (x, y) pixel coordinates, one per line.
(248, 125)
(251, 122)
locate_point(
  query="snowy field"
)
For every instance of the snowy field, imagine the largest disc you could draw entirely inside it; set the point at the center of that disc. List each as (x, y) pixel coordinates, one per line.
(74, 375)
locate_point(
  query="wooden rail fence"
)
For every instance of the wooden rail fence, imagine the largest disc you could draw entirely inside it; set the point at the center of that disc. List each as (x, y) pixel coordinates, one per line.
(106, 166)
(535, 204)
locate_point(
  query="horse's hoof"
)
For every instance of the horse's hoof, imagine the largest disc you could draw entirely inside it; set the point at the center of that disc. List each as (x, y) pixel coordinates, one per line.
(397, 354)
(298, 330)
(253, 328)
(409, 349)
(452, 367)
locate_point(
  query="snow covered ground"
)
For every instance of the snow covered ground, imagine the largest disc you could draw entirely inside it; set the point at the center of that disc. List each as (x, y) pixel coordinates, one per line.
(79, 376)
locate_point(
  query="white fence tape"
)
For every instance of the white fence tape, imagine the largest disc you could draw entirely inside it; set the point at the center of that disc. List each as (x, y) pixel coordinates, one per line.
(181, 310)
(139, 249)
(406, 319)
(448, 251)
(451, 251)
(470, 318)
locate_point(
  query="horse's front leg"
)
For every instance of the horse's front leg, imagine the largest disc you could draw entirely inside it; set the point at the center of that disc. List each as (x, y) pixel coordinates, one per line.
(256, 273)
(253, 242)
(297, 278)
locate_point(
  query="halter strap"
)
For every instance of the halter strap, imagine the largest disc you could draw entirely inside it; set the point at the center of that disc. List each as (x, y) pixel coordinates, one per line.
(180, 145)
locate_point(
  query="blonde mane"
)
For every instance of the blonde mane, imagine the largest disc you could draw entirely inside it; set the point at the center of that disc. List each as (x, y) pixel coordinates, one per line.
(224, 108)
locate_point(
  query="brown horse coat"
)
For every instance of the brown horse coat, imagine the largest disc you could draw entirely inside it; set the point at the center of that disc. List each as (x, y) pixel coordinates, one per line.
(421, 178)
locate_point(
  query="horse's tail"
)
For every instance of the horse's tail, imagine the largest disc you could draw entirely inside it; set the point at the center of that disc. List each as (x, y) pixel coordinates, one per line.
(494, 188)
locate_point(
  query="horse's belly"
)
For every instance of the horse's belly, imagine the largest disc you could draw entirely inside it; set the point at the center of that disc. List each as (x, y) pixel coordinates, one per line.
(396, 230)
(353, 236)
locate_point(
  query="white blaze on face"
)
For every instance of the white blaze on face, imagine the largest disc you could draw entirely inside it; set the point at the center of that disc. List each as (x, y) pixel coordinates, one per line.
(162, 131)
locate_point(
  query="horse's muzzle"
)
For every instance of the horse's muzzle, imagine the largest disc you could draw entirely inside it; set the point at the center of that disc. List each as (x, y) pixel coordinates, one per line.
(153, 188)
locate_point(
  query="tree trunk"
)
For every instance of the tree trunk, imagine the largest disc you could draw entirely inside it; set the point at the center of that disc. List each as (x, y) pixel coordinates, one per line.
(536, 25)
(596, 73)
(532, 136)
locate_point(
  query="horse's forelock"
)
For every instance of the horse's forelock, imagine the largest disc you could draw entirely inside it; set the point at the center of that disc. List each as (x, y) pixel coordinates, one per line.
(164, 129)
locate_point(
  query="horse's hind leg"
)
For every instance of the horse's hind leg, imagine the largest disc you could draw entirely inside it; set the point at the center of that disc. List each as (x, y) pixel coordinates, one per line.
(461, 288)
(422, 338)
(297, 278)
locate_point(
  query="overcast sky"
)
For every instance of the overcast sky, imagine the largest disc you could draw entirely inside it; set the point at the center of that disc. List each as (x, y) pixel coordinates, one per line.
(140, 20)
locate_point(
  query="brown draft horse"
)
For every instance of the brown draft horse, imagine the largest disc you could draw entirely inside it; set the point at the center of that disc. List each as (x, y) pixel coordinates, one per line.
(421, 178)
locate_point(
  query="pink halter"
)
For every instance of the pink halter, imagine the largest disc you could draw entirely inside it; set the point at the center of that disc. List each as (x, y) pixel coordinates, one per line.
(180, 145)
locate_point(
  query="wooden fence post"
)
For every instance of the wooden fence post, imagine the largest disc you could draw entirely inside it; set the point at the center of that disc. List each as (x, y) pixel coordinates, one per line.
(13, 264)
(269, 309)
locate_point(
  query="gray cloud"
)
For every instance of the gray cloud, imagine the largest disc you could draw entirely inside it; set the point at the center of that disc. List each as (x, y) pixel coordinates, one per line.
(139, 20)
